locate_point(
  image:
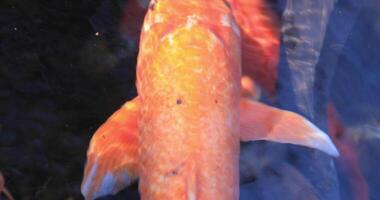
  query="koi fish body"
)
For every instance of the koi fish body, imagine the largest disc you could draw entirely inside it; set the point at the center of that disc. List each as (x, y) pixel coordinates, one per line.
(189, 85)
(188, 119)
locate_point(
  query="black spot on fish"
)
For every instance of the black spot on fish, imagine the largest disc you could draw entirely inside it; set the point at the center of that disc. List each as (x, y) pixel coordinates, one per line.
(179, 101)
(227, 4)
(176, 170)
(173, 172)
(216, 101)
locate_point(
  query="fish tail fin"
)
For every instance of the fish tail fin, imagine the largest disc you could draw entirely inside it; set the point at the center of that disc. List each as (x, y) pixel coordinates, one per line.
(113, 154)
(262, 122)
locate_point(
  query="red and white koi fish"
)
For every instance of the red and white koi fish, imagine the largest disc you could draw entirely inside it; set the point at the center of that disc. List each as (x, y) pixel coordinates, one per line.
(181, 135)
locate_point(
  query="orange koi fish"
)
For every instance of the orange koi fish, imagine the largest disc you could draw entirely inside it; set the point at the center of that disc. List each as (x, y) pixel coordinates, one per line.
(260, 33)
(181, 136)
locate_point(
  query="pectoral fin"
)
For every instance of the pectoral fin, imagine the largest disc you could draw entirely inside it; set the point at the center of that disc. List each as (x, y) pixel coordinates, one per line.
(262, 122)
(112, 155)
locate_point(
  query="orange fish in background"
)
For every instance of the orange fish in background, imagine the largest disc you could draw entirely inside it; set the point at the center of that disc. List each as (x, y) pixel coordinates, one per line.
(181, 135)
(260, 33)
(349, 157)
